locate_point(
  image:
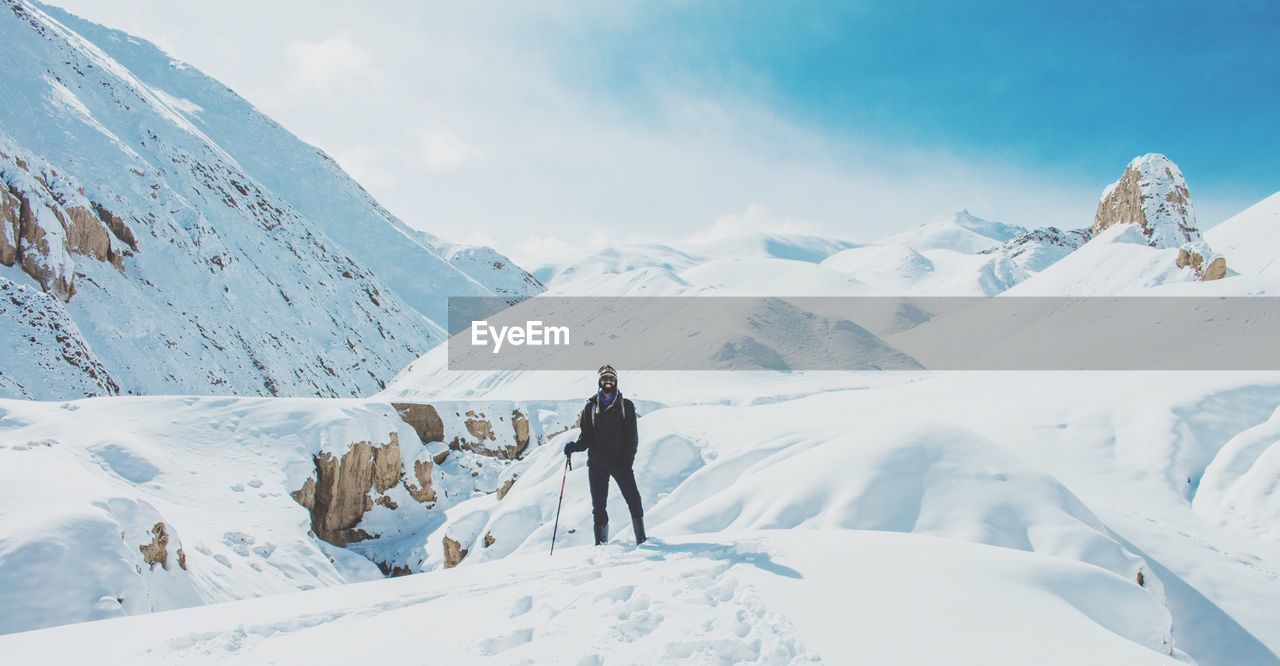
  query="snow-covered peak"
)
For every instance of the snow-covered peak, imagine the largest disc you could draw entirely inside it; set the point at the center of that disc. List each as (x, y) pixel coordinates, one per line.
(1153, 194)
(961, 232)
(195, 244)
(758, 243)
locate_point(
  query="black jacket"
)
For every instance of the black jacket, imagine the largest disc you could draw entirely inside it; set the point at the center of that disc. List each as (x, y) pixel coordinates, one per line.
(608, 434)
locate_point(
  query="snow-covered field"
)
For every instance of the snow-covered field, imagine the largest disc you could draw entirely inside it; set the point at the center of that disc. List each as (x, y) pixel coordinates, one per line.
(771, 597)
(1018, 500)
(796, 517)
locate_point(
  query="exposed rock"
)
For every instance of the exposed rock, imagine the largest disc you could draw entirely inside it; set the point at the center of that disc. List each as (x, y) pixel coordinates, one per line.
(157, 552)
(87, 235)
(338, 495)
(35, 253)
(424, 419)
(394, 571)
(1037, 239)
(117, 226)
(422, 491)
(387, 502)
(1152, 194)
(386, 464)
(1216, 270)
(10, 210)
(479, 426)
(453, 553)
(439, 458)
(182, 559)
(481, 431)
(520, 423)
(1207, 264)
(488, 539)
(506, 487)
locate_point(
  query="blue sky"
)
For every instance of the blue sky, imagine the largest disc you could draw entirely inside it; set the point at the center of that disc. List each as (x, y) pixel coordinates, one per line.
(1067, 86)
(541, 125)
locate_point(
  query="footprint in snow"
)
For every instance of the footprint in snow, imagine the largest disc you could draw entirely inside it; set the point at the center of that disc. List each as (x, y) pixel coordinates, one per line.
(622, 593)
(499, 644)
(521, 606)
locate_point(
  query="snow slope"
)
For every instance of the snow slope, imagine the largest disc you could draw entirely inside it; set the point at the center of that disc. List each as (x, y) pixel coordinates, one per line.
(1251, 239)
(84, 484)
(749, 599)
(960, 232)
(961, 456)
(163, 212)
(1049, 492)
(1118, 261)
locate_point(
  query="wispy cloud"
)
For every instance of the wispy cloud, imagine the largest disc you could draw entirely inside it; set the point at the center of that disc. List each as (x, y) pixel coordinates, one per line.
(461, 120)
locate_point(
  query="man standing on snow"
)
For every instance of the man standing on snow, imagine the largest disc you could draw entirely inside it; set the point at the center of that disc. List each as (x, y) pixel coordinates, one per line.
(608, 435)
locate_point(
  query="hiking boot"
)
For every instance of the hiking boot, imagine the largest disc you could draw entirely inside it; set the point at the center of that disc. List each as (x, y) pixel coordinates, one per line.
(602, 533)
(638, 524)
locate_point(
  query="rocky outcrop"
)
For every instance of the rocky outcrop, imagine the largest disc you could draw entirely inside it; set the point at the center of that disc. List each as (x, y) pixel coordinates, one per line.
(506, 487)
(338, 495)
(1207, 264)
(1037, 239)
(481, 434)
(394, 570)
(117, 226)
(1152, 194)
(343, 489)
(424, 419)
(157, 551)
(10, 211)
(87, 235)
(46, 219)
(453, 553)
(479, 426)
(422, 490)
(520, 423)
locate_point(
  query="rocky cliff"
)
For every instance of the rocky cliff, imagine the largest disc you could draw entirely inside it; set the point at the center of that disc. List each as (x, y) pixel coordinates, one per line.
(196, 245)
(1153, 194)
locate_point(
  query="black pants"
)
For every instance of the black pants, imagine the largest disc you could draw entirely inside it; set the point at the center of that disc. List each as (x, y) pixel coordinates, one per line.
(626, 479)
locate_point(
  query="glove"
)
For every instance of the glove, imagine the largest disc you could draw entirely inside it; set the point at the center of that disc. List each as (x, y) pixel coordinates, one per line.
(568, 448)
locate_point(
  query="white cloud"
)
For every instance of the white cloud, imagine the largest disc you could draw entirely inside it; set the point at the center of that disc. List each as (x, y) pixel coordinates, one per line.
(327, 63)
(461, 119)
(441, 149)
(755, 218)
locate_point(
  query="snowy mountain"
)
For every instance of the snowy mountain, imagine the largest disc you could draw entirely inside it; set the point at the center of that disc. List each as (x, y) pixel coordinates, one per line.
(961, 232)
(1144, 234)
(158, 234)
(189, 243)
(962, 255)
(1152, 194)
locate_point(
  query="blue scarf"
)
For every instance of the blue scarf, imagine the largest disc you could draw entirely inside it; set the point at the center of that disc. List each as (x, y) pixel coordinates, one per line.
(606, 400)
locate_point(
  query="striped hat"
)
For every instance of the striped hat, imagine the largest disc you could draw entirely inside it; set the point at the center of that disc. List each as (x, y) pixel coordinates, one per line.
(606, 370)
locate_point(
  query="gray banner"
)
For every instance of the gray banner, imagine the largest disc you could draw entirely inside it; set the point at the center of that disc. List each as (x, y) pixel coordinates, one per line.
(865, 333)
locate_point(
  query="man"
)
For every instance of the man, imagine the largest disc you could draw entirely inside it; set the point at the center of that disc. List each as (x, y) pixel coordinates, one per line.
(608, 435)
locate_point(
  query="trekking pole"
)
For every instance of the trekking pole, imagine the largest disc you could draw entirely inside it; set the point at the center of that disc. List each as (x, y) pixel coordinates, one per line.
(568, 465)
